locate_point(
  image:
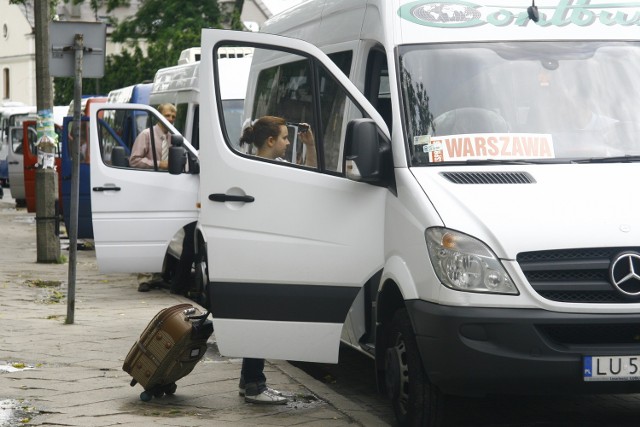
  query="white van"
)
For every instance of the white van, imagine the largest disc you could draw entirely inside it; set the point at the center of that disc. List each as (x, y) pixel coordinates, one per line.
(13, 117)
(470, 223)
(178, 85)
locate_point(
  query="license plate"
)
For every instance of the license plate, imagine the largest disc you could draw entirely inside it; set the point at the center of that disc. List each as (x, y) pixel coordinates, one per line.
(611, 368)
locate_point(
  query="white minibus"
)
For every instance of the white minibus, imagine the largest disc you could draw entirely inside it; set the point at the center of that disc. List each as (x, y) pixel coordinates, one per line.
(470, 223)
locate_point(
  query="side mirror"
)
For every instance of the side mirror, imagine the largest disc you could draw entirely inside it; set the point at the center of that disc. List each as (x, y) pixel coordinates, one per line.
(177, 160)
(177, 155)
(367, 153)
(180, 159)
(119, 157)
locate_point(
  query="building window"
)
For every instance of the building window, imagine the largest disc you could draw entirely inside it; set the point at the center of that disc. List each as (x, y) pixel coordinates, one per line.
(5, 31)
(7, 83)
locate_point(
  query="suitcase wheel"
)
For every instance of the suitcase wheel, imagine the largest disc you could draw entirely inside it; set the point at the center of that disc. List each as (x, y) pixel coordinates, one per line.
(145, 396)
(170, 388)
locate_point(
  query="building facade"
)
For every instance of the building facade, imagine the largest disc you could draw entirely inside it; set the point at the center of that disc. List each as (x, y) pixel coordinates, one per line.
(17, 55)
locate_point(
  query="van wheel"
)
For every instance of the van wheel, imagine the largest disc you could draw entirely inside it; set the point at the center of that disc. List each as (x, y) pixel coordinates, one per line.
(202, 277)
(416, 402)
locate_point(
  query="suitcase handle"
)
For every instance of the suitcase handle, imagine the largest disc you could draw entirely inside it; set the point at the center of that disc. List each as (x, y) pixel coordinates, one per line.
(202, 318)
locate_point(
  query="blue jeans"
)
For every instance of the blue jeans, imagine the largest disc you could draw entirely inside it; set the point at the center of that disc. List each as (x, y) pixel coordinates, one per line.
(252, 376)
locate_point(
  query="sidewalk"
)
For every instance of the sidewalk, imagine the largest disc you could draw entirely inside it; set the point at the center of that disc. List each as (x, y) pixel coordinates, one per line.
(52, 373)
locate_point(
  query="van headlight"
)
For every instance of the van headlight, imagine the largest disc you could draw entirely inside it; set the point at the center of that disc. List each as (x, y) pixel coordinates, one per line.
(466, 264)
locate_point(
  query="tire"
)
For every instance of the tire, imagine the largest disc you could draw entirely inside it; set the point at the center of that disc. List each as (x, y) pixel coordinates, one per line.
(415, 401)
(169, 267)
(170, 389)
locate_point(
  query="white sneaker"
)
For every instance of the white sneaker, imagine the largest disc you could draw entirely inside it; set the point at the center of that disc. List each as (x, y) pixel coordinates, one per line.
(242, 391)
(267, 397)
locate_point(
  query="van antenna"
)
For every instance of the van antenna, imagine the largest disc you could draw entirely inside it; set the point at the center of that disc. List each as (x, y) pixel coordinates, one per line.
(532, 11)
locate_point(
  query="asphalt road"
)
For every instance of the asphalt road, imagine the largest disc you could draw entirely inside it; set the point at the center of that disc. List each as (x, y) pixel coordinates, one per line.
(354, 377)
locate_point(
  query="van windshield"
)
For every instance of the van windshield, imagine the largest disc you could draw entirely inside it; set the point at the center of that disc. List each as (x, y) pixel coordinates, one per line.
(521, 101)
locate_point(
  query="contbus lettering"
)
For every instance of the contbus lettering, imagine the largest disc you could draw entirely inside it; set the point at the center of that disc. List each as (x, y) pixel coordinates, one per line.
(462, 14)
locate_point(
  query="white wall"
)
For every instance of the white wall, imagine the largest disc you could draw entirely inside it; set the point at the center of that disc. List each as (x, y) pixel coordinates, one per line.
(17, 54)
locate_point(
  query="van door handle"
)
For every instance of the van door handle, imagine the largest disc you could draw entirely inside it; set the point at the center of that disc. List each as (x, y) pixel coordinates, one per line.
(106, 188)
(219, 197)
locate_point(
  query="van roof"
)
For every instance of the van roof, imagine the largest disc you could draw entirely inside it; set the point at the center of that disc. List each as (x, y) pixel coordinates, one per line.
(84, 103)
(429, 21)
(185, 78)
(10, 111)
(138, 93)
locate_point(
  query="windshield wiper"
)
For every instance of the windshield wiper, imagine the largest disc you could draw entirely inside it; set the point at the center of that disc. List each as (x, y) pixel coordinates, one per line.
(617, 159)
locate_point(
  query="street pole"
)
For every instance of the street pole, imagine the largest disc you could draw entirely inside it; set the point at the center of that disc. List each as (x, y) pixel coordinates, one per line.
(48, 240)
(76, 38)
(78, 46)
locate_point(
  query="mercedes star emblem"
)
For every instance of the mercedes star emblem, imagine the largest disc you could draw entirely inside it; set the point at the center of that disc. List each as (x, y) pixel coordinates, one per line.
(625, 273)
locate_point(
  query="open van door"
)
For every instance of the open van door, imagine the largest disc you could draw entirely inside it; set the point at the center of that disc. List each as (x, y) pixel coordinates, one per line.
(289, 242)
(135, 211)
(30, 161)
(85, 226)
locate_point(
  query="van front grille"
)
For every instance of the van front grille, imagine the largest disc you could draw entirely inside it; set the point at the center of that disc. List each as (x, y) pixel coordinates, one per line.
(574, 275)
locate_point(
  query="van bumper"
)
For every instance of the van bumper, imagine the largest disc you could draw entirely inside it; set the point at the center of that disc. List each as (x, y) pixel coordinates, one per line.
(477, 351)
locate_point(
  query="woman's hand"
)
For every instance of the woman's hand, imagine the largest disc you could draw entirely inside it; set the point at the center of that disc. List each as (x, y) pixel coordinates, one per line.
(306, 136)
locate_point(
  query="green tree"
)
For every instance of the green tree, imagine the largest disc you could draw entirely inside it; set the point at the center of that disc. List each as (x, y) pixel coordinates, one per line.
(165, 27)
(235, 22)
(168, 27)
(96, 5)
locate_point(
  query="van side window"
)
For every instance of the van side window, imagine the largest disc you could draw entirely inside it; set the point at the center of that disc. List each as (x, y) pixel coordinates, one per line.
(195, 126)
(16, 137)
(32, 137)
(377, 88)
(85, 156)
(334, 106)
(181, 117)
(301, 92)
(118, 132)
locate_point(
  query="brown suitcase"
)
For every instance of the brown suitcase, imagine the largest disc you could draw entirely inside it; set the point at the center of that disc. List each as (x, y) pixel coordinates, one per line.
(168, 349)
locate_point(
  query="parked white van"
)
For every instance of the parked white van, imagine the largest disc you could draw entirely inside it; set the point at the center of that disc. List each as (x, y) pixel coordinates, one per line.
(470, 223)
(180, 86)
(13, 117)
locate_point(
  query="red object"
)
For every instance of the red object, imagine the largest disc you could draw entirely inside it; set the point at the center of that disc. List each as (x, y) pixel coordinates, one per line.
(30, 161)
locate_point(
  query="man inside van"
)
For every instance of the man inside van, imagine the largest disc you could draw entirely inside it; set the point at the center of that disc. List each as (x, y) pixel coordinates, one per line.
(142, 157)
(141, 154)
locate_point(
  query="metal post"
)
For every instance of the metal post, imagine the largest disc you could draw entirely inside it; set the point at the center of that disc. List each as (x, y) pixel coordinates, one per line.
(78, 46)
